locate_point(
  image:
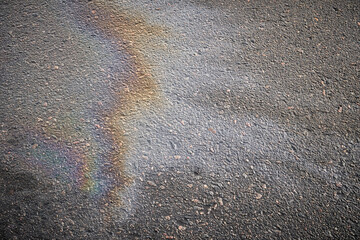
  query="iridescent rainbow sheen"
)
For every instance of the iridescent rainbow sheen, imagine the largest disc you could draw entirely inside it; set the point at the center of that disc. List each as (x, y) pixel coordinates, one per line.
(86, 146)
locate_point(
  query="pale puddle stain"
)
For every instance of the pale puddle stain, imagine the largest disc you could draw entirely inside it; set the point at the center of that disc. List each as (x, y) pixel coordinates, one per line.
(134, 36)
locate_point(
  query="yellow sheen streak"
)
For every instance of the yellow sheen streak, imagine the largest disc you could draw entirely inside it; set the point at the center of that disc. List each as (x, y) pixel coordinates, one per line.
(134, 36)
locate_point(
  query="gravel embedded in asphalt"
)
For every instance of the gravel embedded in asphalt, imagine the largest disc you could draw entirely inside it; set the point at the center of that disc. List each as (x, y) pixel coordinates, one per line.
(180, 119)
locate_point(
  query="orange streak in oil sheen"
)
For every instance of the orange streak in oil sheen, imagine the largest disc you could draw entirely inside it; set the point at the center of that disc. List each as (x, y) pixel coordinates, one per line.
(142, 91)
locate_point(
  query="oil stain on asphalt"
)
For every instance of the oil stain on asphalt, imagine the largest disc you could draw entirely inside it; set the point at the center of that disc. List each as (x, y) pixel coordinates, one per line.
(179, 119)
(79, 130)
(132, 34)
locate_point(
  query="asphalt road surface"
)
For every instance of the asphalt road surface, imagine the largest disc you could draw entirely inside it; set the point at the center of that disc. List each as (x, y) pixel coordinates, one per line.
(167, 119)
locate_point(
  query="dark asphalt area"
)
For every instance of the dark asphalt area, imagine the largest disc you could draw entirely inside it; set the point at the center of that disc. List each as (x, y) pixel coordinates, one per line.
(168, 119)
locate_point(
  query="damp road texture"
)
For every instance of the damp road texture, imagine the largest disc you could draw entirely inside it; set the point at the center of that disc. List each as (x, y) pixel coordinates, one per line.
(180, 119)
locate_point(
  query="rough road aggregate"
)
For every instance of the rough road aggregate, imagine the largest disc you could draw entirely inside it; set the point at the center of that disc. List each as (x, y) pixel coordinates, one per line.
(194, 119)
